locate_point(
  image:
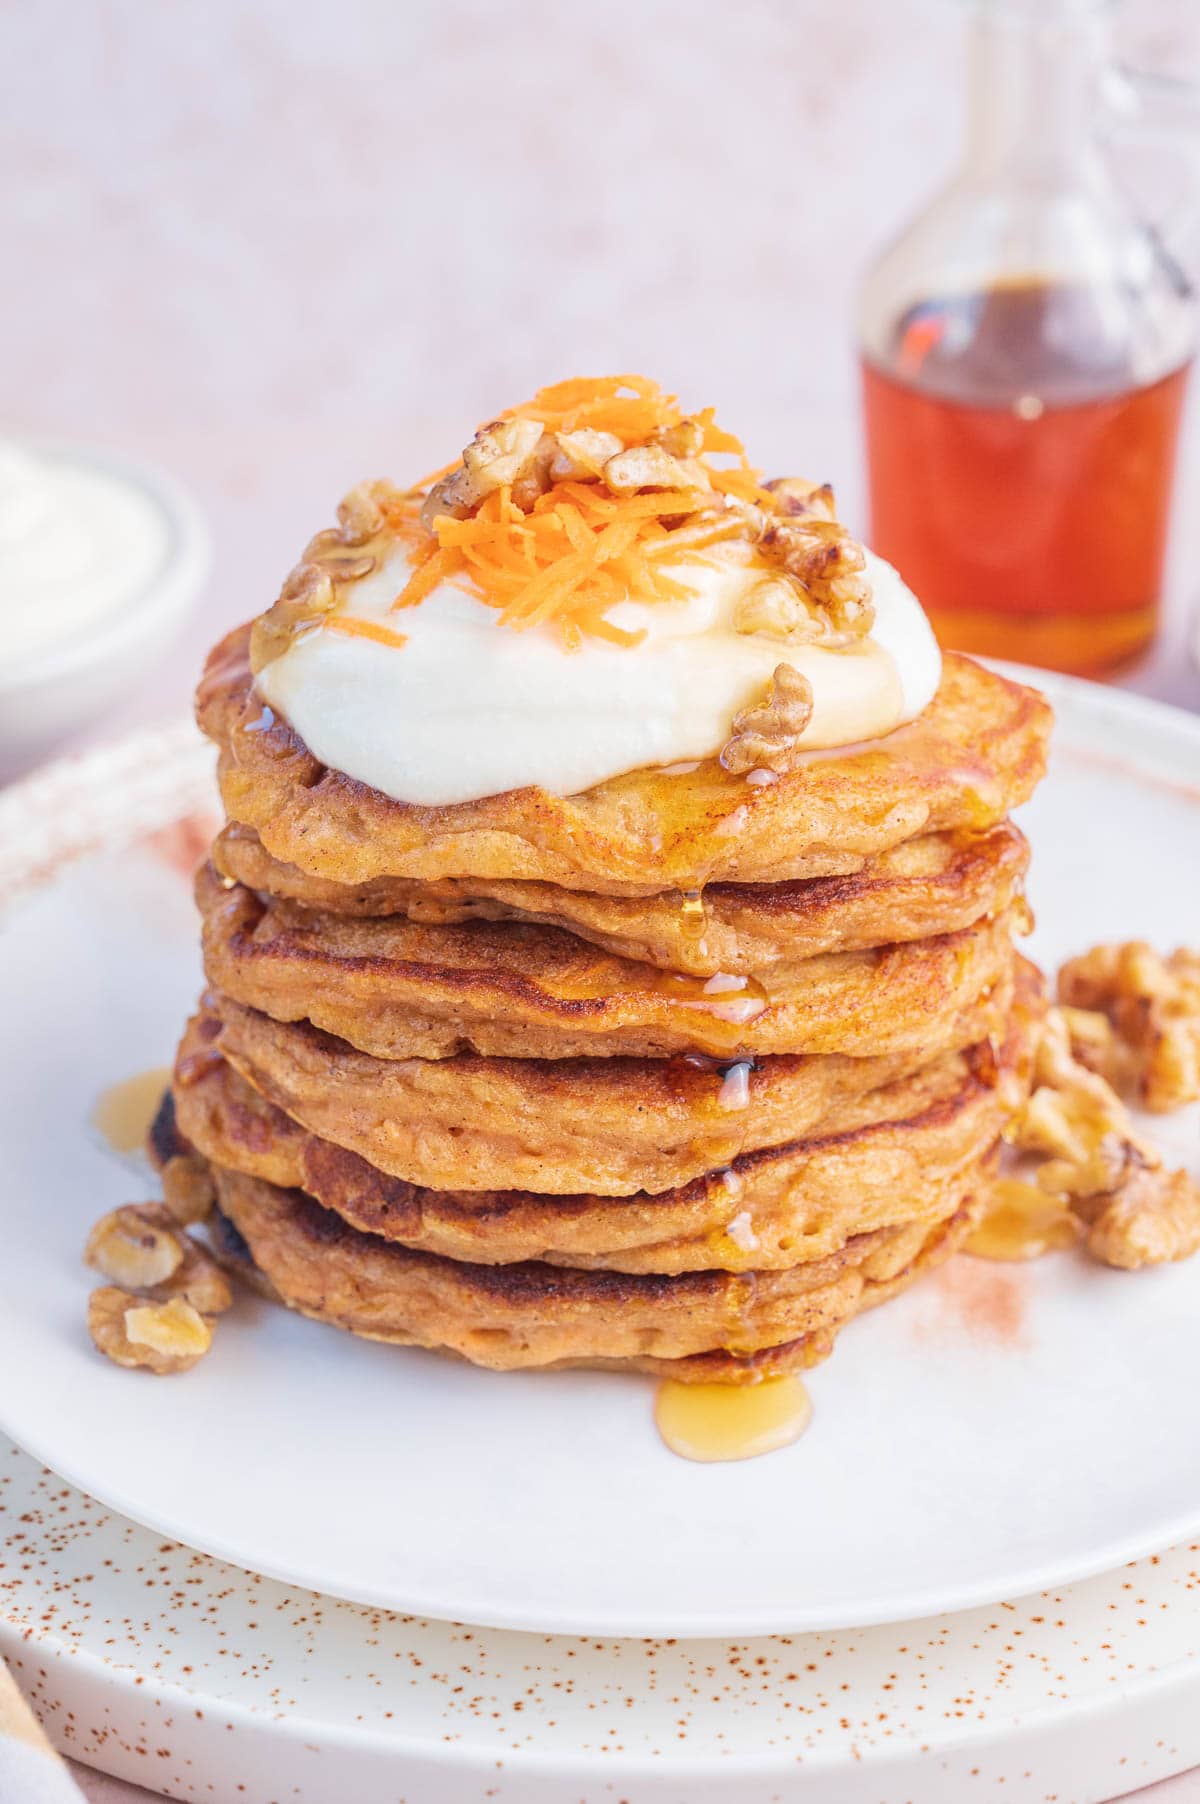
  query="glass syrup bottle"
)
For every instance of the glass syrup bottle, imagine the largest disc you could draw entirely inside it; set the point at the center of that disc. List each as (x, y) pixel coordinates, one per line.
(1025, 349)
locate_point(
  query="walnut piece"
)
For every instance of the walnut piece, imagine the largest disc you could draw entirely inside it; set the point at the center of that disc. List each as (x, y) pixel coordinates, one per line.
(344, 553)
(581, 456)
(775, 607)
(828, 564)
(1153, 1219)
(766, 735)
(136, 1246)
(1152, 1004)
(684, 440)
(501, 452)
(456, 495)
(499, 456)
(308, 594)
(139, 1247)
(199, 1282)
(1095, 1044)
(1095, 1162)
(803, 500)
(360, 513)
(650, 467)
(162, 1337)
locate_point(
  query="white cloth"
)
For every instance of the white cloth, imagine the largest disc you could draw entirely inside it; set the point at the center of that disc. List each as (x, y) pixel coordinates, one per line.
(30, 1770)
(29, 1776)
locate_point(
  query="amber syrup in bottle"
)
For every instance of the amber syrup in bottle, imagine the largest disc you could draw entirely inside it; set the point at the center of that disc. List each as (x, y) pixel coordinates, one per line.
(1020, 479)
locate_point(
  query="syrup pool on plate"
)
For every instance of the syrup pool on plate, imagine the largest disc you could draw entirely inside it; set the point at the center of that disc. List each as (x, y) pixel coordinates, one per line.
(124, 1111)
(717, 1422)
(1022, 1223)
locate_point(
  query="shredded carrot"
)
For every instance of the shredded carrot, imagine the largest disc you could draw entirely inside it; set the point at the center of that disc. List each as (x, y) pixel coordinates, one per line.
(578, 549)
(364, 629)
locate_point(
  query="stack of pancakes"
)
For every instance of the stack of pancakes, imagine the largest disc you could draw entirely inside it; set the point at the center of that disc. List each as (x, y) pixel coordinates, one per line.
(679, 1073)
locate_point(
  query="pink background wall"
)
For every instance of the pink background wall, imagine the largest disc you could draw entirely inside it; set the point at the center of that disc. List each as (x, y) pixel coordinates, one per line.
(278, 246)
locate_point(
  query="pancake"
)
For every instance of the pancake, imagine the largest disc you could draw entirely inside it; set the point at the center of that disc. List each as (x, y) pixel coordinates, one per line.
(613, 1126)
(536, 1315)
(938, 883)
(400, 989)
(975, 752)
(901, 1155)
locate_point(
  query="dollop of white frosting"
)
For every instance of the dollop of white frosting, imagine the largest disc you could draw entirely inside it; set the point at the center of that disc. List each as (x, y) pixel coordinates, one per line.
(469, 708)
(76, 543)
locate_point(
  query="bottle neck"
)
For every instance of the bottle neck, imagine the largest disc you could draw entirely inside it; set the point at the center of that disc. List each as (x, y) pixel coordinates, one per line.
(1033, 81)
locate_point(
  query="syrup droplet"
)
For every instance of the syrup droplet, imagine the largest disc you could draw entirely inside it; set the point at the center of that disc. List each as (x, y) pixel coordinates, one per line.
(1022, 1222)
(711, 1422)
(741, 1232)
(693, 921)
(725, 997)
(123, 1112)
(693, 913)
(735, 1087)
(265, 721)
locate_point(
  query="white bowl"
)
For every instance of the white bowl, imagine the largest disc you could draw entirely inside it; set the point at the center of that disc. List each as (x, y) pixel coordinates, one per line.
(72, 685)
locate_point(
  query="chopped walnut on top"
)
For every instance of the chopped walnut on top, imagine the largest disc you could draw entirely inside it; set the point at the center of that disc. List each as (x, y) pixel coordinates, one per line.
(514, 468)
(1152, 1006)
(342, 554)
(830, 567)
(804, 500)
(500, 455)
(778, 608)
(766, 735)
(581, 456)
(1098, 1165)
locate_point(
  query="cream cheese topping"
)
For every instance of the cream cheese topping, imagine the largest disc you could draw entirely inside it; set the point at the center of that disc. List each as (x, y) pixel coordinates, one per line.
(468, 708)
(76, 543)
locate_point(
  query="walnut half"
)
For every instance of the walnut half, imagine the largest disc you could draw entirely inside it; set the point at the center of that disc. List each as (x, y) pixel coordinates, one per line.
(1152, 1005)
(766, 735)
(162, 1337)
(1096, 1164)
(165, 1288)
(1152, 1219)
(776, 608)
(136, 1246)
(828, 564)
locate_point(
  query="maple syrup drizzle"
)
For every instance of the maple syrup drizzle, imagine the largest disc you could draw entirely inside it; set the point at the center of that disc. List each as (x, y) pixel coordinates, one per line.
(718, 1422)
(124, 1111)
(735, 1085)
(1022, 1223)
(693, 922)
(727, 998)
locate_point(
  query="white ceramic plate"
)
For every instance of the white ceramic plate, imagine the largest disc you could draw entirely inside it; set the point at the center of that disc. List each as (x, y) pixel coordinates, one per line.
(996, 1431)
(195, 1679)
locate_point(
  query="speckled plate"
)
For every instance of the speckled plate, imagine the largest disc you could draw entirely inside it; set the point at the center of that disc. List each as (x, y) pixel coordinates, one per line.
(196, 1679)
(995, 1431)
